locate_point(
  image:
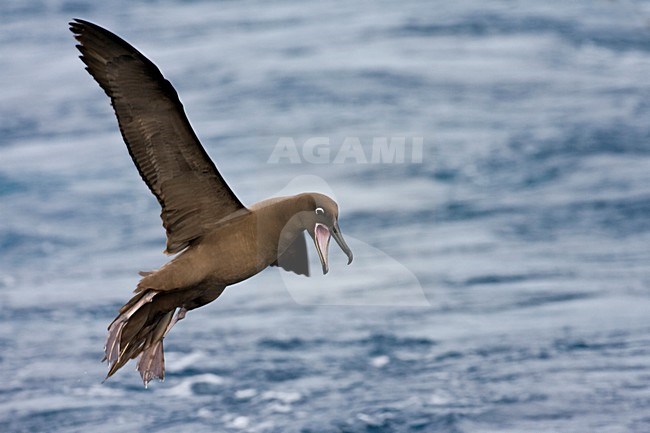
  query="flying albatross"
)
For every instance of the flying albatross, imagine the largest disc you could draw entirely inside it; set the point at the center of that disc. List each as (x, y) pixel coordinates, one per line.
(216, 240)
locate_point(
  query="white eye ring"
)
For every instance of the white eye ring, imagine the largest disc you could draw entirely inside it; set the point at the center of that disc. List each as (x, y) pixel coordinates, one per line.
(319, 210)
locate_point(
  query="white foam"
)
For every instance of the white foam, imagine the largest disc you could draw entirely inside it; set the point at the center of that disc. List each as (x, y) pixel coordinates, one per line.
(283, 396)
(244, 394)
(176, 361)
(380, 361)
(240, 422)
(184, 388)
(280, 408)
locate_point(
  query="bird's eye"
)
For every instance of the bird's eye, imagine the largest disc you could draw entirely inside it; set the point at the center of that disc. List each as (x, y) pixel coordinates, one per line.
(319, 211)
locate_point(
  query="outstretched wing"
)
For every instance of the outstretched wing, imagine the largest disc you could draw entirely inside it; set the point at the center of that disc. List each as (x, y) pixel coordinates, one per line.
(164, 148)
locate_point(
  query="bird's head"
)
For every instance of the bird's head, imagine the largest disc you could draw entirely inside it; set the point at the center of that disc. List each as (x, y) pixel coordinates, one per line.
(321, 222)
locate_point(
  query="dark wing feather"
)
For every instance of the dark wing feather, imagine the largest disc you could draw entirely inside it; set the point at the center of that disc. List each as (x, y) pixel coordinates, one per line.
(295, 258)
(164, 148)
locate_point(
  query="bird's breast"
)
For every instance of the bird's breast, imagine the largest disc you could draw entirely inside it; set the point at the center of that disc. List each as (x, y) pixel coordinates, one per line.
(236, 255)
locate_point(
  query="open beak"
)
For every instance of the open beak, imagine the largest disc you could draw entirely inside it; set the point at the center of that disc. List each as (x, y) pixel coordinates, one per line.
(338, 237)
(322, 240)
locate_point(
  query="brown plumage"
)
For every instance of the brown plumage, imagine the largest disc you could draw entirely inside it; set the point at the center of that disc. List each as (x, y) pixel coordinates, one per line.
(218, 241)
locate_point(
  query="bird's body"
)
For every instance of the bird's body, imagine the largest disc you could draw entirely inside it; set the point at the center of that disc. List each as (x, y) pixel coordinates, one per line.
(217, 240)
(257, 236)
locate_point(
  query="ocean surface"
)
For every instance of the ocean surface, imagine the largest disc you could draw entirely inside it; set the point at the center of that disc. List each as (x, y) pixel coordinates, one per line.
(501, 280)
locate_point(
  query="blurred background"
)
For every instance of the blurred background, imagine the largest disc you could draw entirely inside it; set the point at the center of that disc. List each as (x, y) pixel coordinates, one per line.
(500, 284)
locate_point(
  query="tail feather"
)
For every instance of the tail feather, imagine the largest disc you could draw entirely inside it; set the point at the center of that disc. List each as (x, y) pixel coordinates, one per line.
(134, 300)
(143, 322)
(152, 361)
(112, 346)
(137, 324)
(138, 329)
(151, 364)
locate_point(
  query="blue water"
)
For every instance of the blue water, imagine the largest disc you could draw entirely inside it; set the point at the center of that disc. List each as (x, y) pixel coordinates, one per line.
(502, 284)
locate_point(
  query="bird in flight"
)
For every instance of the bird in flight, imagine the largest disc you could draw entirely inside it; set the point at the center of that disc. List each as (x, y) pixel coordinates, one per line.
(216, 240)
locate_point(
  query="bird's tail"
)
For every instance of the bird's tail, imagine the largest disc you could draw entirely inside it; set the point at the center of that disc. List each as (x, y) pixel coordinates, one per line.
(138, 330)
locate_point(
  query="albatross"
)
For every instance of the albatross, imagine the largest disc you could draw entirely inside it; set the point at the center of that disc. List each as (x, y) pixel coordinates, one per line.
(216, 241)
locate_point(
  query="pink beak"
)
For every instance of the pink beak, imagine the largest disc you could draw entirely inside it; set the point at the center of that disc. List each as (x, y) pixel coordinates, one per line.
(322, 241)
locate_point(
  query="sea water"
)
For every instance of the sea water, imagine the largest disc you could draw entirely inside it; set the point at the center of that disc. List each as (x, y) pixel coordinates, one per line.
(501, 280)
